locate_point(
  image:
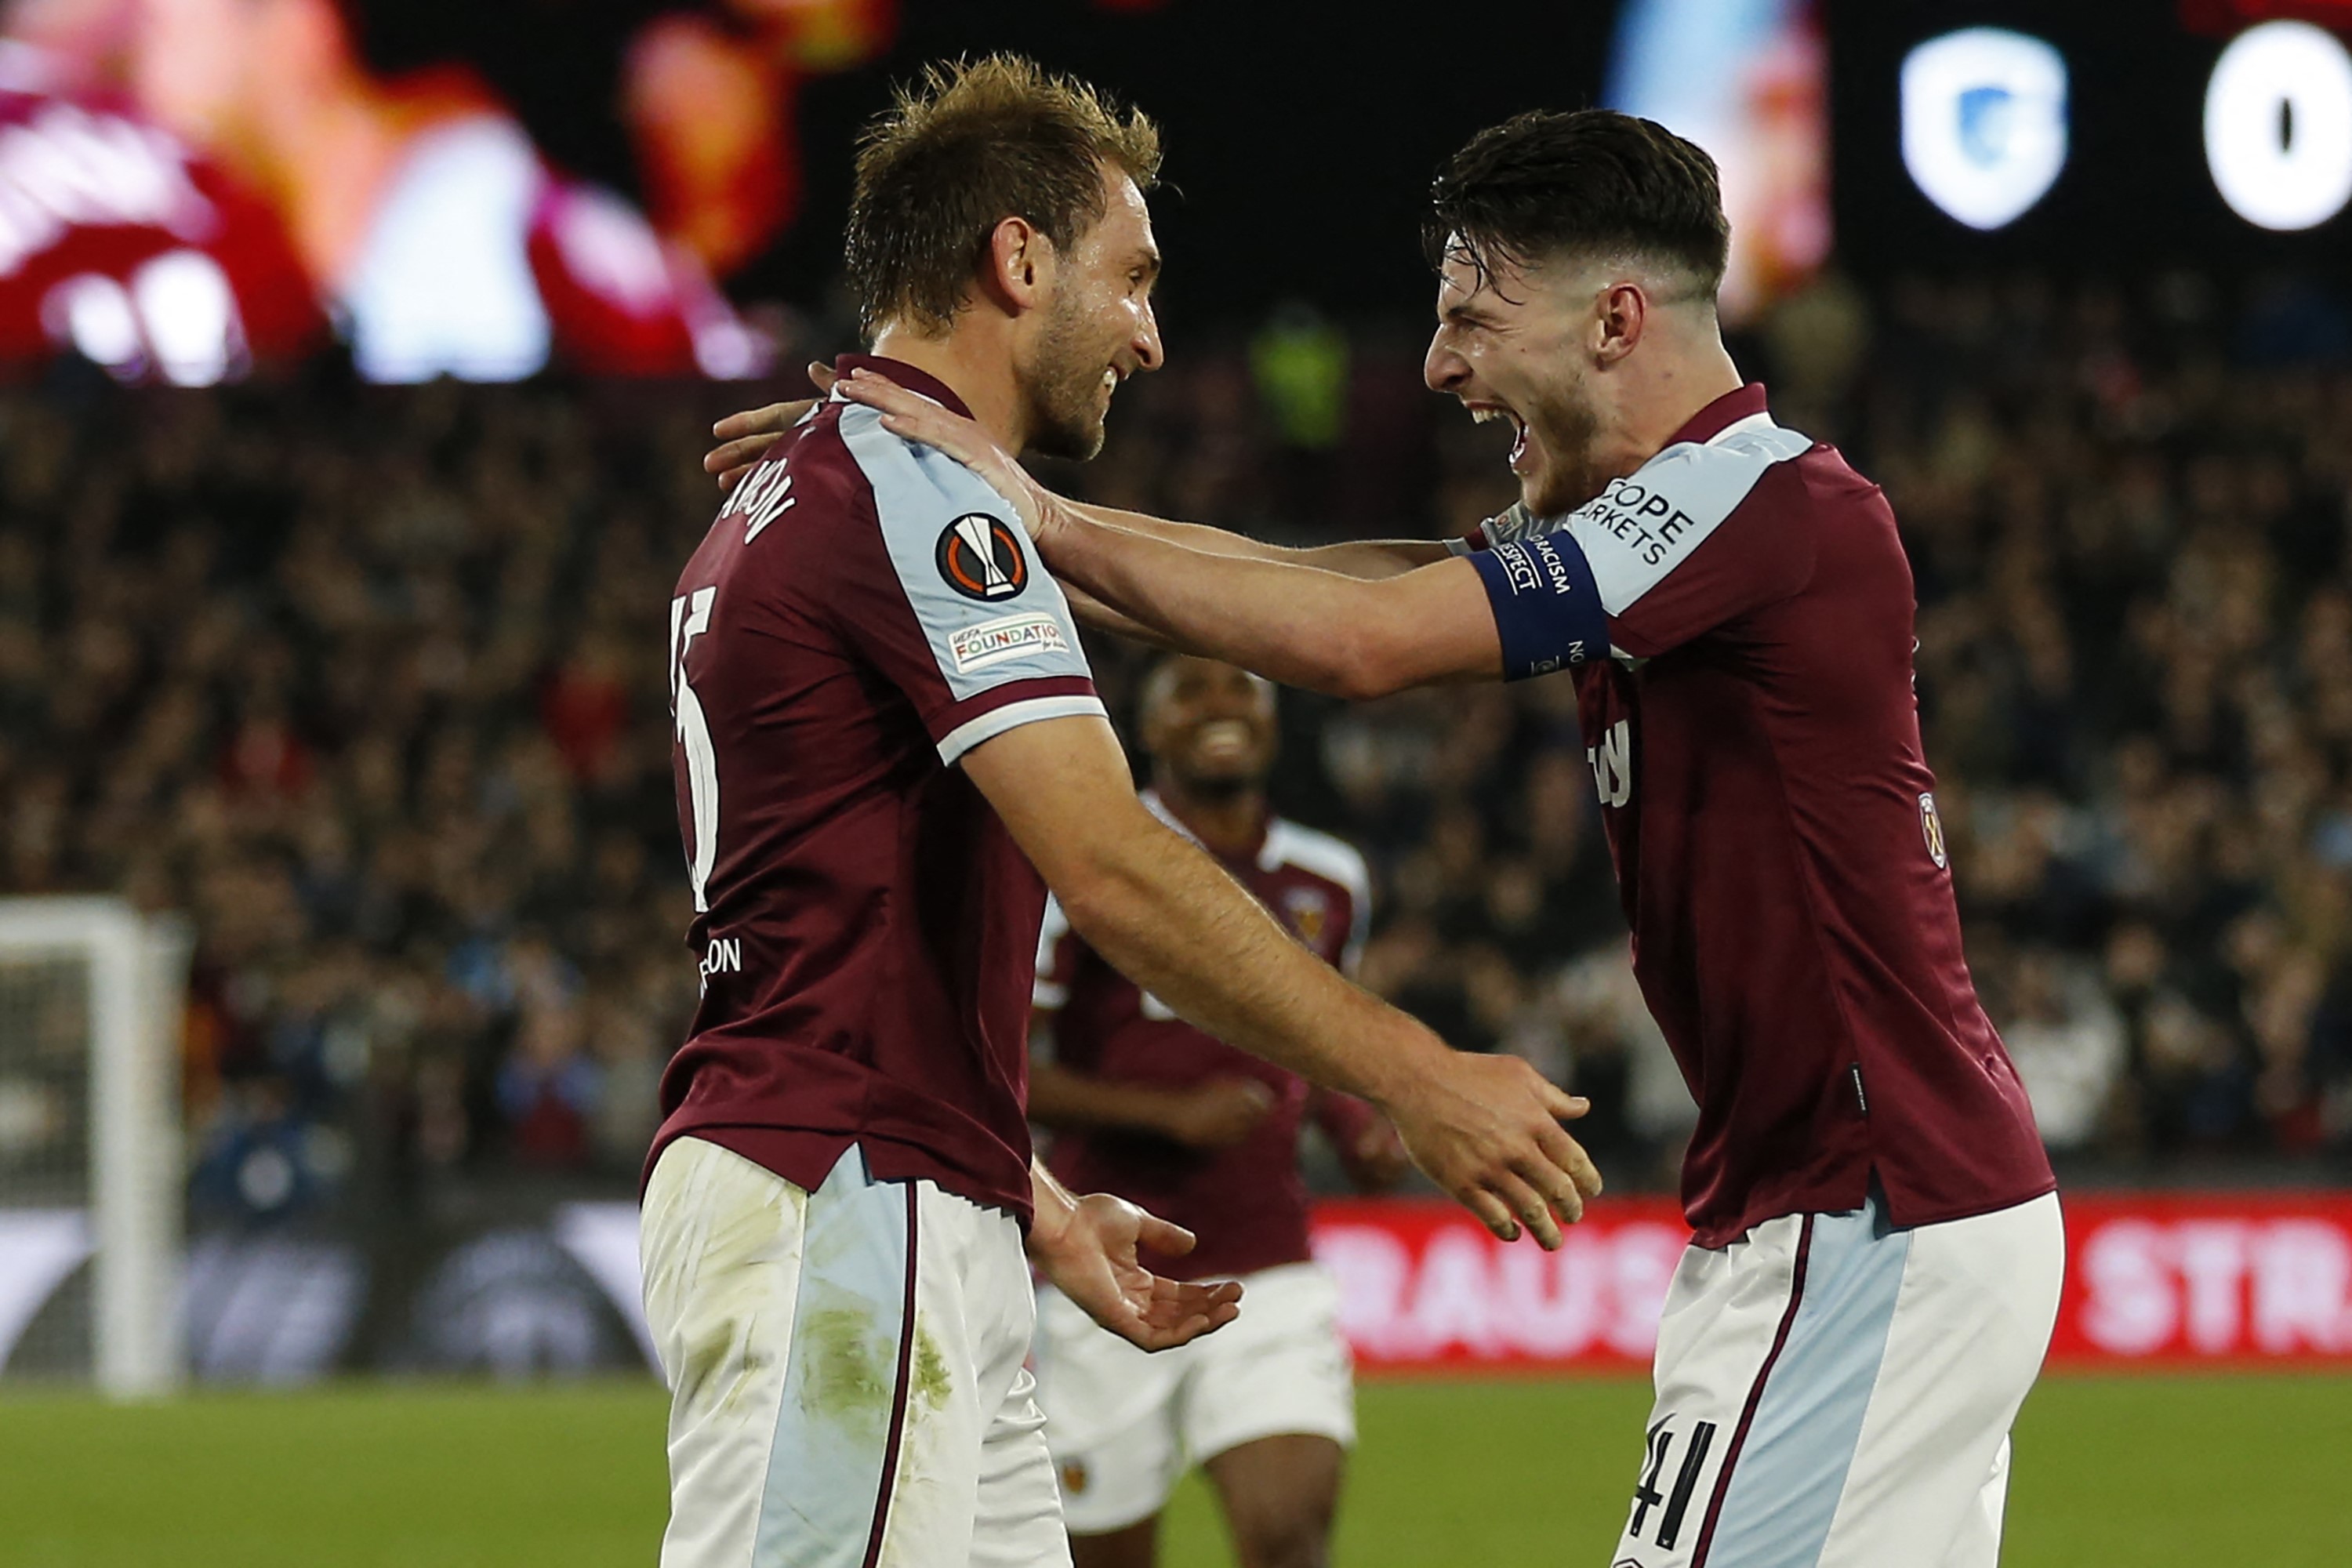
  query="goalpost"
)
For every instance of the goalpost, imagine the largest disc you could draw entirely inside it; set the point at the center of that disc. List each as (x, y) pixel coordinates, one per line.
(91, 1164)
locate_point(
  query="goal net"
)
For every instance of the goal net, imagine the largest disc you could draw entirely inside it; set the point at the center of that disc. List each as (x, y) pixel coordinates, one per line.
(90, 1165)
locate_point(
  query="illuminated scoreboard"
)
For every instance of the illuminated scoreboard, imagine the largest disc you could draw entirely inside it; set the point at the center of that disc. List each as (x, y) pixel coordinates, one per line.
(2101, 133)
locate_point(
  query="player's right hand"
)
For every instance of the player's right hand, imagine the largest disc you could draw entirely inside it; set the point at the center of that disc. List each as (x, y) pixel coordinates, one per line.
(1487, 1131)
(1086, 1247)
(920, 418)
(1218, 1114)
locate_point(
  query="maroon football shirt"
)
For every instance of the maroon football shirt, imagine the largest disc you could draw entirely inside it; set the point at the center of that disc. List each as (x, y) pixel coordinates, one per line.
(1246, 1201)
(864, 612)
(1738, 615)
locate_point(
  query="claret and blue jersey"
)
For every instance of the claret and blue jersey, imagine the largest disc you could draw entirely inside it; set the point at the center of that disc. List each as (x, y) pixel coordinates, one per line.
(862, 614)
(1738, 614)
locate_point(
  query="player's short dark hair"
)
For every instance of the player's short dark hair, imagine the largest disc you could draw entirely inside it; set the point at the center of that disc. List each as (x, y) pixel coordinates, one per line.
(1588, 182)
(968, 146)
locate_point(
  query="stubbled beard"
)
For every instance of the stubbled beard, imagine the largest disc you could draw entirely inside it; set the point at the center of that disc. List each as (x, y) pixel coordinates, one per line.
(1567, 426)
(1063, 383)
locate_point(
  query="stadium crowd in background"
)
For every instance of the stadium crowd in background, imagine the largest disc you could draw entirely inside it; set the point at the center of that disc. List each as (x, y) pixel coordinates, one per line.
(371, 683)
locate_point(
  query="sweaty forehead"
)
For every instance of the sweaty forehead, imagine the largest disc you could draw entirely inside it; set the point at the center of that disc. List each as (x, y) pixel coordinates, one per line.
(1127, 217)
(1505, 288)
(1458, 282)
(1469, 292)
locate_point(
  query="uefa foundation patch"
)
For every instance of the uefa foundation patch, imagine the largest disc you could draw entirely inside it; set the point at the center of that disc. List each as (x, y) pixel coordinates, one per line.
(1008, 636)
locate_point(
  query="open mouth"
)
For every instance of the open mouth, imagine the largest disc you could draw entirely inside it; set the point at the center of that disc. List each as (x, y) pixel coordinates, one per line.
(1484, 412)
(1223, 738)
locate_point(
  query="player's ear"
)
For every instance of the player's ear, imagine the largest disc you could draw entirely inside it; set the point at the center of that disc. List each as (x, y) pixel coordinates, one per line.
(1020, 259)
(1619, 317)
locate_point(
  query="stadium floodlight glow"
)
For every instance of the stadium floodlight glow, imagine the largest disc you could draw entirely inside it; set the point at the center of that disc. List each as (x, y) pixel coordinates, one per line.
(2278, 125)
(1984, 122)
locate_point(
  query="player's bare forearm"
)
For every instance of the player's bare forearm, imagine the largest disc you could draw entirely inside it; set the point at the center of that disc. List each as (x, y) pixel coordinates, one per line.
(1159, 909)
(1170, 918)
(1093, 614)
(1272, 613)
(1390, 616)
(1369, 559)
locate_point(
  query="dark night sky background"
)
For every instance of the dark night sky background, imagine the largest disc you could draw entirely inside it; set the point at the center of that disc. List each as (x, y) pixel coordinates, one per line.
(1301, 137)
(1302, 134)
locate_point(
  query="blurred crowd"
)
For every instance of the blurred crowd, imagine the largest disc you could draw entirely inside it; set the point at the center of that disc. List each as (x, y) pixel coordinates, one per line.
(2128, 515)
(370, 681)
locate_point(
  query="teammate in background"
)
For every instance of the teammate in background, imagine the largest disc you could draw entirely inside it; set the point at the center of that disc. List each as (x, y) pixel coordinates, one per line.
(885, 731)
(1145, 1106)
(1878, 1255)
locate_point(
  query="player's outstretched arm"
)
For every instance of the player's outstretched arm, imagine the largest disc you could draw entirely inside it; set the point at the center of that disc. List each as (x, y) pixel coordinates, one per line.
(1346, 636)
(1265, 610)
(1369, 559)
(1486, 1129)
(1086, 1247)
(744, 438)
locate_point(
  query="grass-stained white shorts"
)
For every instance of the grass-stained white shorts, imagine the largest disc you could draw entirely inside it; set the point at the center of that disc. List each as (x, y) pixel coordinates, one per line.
(1836, 1393)
(1125, 1424)
(847, 1371)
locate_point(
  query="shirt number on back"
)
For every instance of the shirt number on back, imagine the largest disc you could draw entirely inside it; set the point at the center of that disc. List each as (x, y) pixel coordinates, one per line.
(689, 615)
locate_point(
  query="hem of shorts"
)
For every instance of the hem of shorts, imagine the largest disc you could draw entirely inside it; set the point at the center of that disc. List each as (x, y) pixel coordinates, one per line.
(1278, 1429)
(1715, 1238)
(1093, 1529)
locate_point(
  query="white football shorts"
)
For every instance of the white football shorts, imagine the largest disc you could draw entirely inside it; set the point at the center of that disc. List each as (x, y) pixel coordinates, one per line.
(847, 1371)
(1836, 1392)
(1124, 1423)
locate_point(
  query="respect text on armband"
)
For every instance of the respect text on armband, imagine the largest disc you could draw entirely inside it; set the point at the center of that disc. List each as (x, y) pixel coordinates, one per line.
(1646, 522)
(1535, 563)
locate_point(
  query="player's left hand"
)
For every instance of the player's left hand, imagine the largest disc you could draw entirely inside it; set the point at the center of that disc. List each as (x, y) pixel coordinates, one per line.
(744, 438)
(1086, 1250)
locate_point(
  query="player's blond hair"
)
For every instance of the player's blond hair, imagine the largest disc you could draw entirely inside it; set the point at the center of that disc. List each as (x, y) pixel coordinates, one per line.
(968, 145)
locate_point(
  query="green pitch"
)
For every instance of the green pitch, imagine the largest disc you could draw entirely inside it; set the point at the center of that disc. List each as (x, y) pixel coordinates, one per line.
(2189, 1472)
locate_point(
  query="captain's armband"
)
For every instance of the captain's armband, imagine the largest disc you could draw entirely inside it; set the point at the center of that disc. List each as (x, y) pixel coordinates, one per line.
(1546, 606)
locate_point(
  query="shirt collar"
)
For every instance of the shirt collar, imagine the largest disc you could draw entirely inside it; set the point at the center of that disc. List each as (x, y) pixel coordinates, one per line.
(1713, 420)
(905, 375)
